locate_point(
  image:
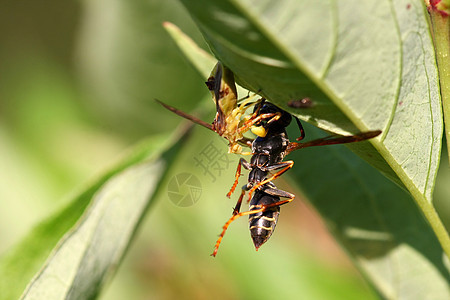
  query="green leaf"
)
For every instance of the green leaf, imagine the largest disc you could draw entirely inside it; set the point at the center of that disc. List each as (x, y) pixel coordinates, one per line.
(440, 26)
(79, 264)
(369, 65)
(202, 60)
(91, 234)
(354, 62)
(376, 72)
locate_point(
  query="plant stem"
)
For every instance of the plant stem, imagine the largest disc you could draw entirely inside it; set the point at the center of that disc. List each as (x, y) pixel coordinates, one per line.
(440, 26)
(435, 222)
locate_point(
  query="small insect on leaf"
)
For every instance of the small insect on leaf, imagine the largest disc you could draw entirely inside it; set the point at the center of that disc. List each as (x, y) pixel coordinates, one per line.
(300, 103)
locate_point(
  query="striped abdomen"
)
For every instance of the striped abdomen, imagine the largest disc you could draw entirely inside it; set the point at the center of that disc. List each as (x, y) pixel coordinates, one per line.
(263, 224)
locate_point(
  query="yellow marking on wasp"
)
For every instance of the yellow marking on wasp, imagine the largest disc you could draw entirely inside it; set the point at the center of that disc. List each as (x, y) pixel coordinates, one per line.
(259, 131)
(246, 153)
(262, 217)
(265, 228)
(268, 219)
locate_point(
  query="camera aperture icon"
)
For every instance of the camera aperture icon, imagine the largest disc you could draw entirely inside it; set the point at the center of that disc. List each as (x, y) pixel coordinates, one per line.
(184, 189)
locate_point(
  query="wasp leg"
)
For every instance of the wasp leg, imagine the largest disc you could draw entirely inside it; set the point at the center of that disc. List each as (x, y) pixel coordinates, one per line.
(254, 119)
(302, 131)
(252, 212)
(227, 224)
(279, 193)
(246, 142)
(286, 165)
(247, 166)
(237, 208)
(254, 95)
(245, 102)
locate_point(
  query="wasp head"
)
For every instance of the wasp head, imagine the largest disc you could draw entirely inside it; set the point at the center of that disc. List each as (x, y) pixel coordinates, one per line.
(274, 119)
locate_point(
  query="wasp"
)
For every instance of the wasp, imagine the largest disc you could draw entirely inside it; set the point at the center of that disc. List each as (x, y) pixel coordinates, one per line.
(268, 123)
(268, 152)
(230, 121)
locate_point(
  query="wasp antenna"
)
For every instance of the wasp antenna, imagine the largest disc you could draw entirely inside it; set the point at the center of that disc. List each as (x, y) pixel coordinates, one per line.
(186, 116)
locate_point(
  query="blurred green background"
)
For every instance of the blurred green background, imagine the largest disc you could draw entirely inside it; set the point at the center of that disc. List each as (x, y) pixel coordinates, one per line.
(77, 86)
